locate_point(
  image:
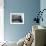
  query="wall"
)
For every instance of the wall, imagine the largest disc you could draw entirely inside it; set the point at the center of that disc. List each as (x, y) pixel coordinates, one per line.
(1, 21)
(43, 6)
(29, 8)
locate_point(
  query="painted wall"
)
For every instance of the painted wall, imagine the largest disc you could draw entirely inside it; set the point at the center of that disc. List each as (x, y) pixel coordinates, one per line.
(43, 6)
(29, 8)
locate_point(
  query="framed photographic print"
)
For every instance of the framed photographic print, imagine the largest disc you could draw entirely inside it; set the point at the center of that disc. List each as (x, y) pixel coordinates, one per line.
(16, 18)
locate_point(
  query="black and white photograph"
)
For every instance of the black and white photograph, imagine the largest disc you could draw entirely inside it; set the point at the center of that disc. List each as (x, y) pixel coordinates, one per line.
(16, 18)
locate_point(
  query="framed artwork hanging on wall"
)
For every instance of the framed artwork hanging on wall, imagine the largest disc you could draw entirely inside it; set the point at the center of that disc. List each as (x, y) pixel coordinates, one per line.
(16, 18)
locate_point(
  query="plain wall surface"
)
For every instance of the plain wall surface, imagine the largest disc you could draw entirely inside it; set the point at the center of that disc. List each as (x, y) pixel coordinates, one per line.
(29, 8)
